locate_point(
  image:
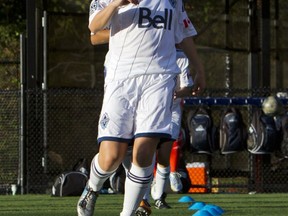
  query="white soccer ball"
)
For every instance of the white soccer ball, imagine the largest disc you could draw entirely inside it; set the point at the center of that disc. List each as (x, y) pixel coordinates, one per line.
(271, 106)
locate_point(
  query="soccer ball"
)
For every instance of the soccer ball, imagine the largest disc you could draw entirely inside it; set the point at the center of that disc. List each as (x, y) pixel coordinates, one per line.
(271, 106)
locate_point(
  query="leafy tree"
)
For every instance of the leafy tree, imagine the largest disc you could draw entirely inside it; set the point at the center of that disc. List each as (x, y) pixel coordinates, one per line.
(12, 23)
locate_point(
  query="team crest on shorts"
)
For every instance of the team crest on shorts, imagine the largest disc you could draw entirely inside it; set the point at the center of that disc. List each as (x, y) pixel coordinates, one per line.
(104, 121)
(173, 3)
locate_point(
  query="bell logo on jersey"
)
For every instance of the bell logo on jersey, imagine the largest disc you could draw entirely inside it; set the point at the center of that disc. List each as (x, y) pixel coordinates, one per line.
(158, 21)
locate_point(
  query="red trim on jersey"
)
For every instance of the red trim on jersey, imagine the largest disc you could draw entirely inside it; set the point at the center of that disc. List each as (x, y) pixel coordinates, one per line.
(186, 22)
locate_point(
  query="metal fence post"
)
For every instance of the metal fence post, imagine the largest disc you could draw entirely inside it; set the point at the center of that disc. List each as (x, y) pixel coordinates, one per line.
(22, 143)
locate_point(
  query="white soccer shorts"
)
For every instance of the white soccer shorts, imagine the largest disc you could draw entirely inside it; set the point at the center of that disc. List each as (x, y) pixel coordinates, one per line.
(137, 107)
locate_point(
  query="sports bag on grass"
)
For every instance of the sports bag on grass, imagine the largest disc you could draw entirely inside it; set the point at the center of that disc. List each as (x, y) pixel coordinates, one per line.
(233, 131)
(264, 137)
(70, 183)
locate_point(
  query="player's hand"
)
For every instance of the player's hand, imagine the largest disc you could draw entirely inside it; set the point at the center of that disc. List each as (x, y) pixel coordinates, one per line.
(199, 84)
(183, 92)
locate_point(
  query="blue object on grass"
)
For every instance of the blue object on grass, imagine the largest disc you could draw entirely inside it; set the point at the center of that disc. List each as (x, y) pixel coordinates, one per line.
(202, 213)
(196, 206)
(217, 208)
(213, 211)
(186, 199)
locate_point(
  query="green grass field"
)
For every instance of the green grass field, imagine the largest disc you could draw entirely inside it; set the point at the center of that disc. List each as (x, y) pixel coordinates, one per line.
(110, 205)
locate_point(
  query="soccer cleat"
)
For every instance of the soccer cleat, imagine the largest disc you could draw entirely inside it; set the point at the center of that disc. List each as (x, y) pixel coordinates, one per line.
(161, 203)
(86, 203)
(175, 182)
(144, 209)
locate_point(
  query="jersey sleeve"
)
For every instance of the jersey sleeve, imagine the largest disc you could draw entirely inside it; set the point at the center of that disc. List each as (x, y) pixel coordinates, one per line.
(188, 27)
(95, 7)
(184, 27)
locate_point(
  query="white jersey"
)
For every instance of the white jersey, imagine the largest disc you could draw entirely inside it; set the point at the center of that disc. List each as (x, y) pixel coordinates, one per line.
(143, 37)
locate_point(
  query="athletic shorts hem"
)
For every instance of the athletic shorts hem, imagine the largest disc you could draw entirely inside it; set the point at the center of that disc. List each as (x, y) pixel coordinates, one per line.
(115, 139)
(161, 135)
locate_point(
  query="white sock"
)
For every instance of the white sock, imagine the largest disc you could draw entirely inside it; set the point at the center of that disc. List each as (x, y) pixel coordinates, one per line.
(162, 176)
(137, 181)
(97, 175)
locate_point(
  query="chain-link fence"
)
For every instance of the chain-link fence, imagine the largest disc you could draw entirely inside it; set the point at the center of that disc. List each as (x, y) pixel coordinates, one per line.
(63, 132)
(9, 141)
(63, 129)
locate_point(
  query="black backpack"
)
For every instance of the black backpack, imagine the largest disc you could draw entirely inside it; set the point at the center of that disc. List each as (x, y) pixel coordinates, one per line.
(70, 183)
(202, 131)
(284, 131)
(233, 135)
(264, 137)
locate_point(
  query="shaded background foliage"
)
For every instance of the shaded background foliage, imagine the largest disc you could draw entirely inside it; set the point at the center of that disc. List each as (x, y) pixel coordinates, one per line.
(12, 23)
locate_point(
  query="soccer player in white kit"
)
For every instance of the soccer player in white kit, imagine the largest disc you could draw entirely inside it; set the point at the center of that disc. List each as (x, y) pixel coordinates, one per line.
(139, 87)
